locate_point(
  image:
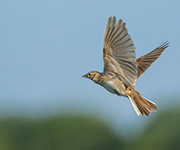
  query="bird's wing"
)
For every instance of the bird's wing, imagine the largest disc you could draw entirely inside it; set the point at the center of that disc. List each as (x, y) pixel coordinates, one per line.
(119, 52)
(144, 62)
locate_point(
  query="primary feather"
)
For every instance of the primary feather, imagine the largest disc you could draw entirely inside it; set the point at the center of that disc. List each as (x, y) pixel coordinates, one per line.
(144, 62)
(119, 52)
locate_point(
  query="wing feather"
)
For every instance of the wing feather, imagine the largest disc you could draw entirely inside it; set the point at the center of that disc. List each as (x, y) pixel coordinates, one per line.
(115, 30)
(119, 52)
(107, 29)
(144, 62)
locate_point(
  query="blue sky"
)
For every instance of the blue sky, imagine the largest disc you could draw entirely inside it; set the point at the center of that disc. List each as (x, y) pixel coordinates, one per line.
(47, 45)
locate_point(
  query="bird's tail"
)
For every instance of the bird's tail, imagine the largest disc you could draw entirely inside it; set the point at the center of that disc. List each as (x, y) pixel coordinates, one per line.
(141, 105)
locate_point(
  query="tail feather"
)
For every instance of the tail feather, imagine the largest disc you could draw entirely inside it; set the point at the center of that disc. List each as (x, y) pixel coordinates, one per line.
(141, 105)
(135, 107)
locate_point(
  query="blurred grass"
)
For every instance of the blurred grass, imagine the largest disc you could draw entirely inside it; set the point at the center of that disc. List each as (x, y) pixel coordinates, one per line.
(67, 133)
(76, 133)
(162, 133)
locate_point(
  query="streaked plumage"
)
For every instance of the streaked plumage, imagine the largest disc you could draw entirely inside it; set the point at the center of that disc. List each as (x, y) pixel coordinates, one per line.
(146, 61)
(121, 68)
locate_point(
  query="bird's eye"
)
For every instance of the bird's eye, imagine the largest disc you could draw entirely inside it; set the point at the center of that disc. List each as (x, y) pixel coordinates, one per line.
(89, 74)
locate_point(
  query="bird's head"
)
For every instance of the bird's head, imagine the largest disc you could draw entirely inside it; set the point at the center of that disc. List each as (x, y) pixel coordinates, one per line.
(93, 75)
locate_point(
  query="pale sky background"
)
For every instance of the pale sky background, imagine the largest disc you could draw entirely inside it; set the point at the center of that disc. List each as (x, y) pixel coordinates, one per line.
(45, 47)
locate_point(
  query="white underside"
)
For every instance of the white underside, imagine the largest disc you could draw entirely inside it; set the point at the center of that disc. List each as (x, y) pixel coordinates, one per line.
(111, 87)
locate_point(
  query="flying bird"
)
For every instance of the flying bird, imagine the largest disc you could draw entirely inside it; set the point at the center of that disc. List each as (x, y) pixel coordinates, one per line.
(122, 69)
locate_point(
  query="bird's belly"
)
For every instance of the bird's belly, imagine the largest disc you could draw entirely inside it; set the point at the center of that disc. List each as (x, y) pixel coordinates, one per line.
(113, 88)
(109, 86)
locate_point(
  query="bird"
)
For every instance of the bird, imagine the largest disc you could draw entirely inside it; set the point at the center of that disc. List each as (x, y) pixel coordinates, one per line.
(122, 69)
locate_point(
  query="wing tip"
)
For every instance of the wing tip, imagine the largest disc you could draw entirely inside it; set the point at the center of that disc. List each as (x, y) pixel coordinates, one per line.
(164, 45)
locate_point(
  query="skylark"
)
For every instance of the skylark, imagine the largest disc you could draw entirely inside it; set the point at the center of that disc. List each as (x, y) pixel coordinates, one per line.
(122, 69)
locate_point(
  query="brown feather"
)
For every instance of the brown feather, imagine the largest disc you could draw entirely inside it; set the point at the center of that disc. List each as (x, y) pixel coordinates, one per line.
(144, 62)
(143, 105)
(119, 52)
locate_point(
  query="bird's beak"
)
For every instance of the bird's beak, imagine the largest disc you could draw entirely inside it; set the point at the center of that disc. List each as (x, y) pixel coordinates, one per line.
(84, 76)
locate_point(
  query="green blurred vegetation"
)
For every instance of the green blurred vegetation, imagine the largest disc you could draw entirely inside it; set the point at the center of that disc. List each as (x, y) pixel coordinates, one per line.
(163, 133)
(84, 133)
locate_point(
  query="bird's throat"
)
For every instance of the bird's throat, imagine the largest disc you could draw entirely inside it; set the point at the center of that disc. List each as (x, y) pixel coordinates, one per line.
(96, 77)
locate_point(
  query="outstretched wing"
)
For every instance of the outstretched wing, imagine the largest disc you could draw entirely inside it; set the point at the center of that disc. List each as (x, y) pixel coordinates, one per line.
(144, 62)
(119, 52)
